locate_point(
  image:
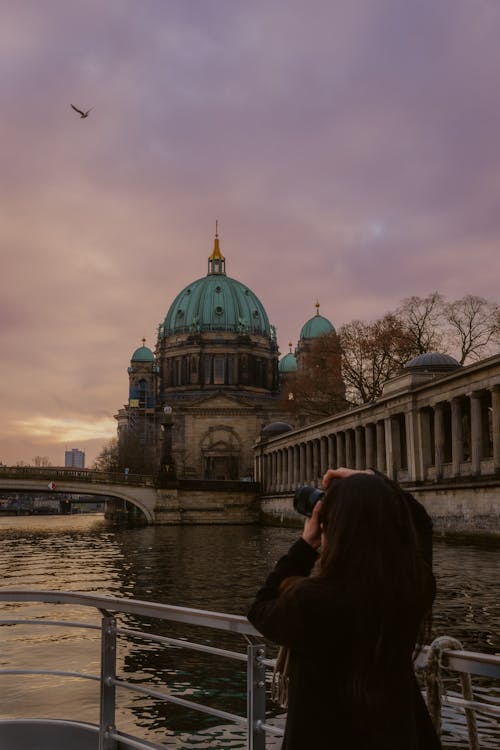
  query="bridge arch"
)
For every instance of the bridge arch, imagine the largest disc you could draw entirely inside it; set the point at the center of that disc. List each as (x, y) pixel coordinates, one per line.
(143, 497)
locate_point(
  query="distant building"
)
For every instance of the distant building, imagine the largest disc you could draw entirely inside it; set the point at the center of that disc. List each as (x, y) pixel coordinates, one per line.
(74, 458)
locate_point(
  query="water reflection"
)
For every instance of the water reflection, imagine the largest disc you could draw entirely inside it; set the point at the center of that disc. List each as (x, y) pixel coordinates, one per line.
(216, 568)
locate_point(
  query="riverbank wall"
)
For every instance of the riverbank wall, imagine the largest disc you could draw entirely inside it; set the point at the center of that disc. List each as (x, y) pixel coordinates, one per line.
(465, 508)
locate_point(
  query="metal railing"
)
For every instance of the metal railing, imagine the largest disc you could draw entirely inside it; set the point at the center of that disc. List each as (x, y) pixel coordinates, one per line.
(464, 663)
(255, 720)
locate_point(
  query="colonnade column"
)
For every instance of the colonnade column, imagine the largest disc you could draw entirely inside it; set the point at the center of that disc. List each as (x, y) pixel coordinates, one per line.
(315, 461)
(457, 436)
(438, 440)
(323, 457)
(289, 479)
(332, 459)
(302, 463)
(389, 454)
(296, 468)
(341, 449)
(495, 408)
(369, 446)
(380, 431)
(349, 458)
(476, 436)
(359, 446)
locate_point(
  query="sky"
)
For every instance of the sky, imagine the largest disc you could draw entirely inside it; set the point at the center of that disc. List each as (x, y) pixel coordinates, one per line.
(350, 152)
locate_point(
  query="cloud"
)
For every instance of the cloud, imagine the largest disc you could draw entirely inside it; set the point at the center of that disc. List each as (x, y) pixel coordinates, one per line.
(349, 151)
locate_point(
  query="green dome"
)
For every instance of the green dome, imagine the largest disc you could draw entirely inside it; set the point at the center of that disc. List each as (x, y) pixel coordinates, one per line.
(216, 303)
(143, 354)
(316, 326)
(288, 363)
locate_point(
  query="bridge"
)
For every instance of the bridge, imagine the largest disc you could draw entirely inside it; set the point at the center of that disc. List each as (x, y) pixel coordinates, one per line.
(180, 501)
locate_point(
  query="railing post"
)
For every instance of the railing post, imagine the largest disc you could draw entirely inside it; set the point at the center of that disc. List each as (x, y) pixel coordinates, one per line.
(256, 697)
(108, 674)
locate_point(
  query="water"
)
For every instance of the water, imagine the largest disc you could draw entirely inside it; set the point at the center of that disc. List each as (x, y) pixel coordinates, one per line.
(208, 567)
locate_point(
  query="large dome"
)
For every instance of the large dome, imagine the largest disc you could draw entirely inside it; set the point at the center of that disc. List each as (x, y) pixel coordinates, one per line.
(216, 303)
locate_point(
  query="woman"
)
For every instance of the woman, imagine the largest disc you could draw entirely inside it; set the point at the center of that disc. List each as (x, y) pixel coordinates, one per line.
(351, 627)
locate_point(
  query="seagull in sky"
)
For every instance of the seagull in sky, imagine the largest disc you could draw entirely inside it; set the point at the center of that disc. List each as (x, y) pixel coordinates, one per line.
(80, 112)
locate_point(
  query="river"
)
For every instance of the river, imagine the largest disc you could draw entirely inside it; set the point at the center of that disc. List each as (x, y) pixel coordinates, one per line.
(208, 567)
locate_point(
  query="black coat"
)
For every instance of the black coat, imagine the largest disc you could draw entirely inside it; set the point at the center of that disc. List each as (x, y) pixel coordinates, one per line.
(316, 620)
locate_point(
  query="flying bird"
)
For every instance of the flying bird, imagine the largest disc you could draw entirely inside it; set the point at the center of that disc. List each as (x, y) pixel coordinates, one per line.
(82, 114)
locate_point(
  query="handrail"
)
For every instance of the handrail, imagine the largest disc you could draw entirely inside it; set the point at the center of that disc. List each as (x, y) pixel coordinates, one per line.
(458, 660)
(108, 607)
(205, 618)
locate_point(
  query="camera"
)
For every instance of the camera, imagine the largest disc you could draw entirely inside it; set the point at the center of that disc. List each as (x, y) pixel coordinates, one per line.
(305, 499)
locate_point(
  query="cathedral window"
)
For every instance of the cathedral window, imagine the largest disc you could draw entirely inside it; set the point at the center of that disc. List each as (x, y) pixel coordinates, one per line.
(219, 370)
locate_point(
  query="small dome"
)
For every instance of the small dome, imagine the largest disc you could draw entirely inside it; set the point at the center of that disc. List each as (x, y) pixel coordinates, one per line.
(288, 363)
(275, 428)
(433, 362)
(143, 354)
(316, 326)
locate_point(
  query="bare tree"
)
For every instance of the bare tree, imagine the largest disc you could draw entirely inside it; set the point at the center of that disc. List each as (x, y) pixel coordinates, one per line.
(423, 319)
(316, 390)
(41, 461)
(107, 459)
(371, 354)
(474, 326)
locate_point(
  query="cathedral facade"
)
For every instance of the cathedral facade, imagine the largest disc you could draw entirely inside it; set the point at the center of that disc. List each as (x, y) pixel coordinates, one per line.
(200, 400)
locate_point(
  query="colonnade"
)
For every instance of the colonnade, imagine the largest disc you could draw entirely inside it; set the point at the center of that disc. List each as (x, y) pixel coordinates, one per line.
(422, 435)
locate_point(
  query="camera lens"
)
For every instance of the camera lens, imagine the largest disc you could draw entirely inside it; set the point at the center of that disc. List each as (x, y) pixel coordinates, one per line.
(305, 499)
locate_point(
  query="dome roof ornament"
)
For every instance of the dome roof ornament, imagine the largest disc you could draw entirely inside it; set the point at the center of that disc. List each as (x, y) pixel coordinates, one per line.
(317, 306)
(216, 261)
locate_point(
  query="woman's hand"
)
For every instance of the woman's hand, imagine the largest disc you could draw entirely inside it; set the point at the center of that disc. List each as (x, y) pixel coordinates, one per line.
(312, 527)
(341, 473)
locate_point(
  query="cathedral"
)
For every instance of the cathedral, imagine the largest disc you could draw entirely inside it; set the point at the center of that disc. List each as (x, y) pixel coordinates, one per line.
(214, 381)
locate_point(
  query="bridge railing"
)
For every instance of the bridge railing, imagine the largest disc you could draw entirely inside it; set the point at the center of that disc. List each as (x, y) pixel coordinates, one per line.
(50, 473)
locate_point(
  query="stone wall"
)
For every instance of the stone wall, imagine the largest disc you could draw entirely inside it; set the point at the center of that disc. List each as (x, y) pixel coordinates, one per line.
(206, 506)
(454, 510)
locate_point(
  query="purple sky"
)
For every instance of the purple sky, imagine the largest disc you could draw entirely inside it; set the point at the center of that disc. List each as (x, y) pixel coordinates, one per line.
(349, 150)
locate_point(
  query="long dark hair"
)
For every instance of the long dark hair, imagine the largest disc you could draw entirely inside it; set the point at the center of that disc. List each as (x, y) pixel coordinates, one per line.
(372, 552)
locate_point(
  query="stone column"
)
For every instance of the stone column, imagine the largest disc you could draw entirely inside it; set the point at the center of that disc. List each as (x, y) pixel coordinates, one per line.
(290, 467)
(279, 471)
(349, 458)
(303, 461)
(495, 406)
(370, 460)
(476, 447)
(323, 455)
(457, 436)
(309, 463)
(315, 461)
(389, 452)
(267, 471)
(380, 430)
(296, 465)
(272, 478)
(439, 440)
(359, 439)
(341, 449)
(412, 445)
(332, 457)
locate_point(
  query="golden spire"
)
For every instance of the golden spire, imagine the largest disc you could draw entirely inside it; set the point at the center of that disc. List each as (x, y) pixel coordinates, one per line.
(290, 345)
(216, 255)
(143, 341)
(317, 306)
